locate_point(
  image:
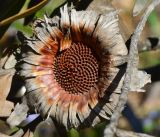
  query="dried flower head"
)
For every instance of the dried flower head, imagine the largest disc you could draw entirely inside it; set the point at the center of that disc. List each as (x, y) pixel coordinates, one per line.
(70, 66)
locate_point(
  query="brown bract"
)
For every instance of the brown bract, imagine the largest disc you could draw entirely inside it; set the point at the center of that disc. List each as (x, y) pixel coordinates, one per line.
(70, 66)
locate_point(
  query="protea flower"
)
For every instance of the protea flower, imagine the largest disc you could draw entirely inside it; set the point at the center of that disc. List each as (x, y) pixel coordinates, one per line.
(70, 66)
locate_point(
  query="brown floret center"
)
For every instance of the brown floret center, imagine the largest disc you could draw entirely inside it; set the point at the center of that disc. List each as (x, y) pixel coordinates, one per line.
(76, 69)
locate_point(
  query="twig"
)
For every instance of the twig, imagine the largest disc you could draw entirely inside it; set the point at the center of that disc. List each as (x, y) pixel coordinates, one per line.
(24, 14)
(132, 63)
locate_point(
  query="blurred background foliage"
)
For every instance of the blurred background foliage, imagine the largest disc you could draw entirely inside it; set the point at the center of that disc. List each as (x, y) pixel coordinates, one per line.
(142, 108)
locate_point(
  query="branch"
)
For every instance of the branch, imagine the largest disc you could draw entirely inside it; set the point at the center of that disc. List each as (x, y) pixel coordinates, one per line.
(132, 64)
(24, 14)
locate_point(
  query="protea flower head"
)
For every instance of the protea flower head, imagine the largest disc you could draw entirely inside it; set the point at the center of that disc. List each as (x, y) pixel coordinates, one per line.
(70, 66)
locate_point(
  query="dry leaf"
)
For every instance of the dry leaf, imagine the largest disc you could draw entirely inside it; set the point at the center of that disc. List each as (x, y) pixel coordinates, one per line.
(19, 133)
(5, 82)
(3, 135)
(101, 6)
(8, 62)
(18, 115)
(139, 6)
(5, 85)
(47, 127)
(6, 107)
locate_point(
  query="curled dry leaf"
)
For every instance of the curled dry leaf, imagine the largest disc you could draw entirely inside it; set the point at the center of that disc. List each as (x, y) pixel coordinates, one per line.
(138, 80)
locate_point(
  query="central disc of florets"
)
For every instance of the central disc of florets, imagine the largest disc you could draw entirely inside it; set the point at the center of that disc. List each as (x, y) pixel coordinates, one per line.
(76, 69)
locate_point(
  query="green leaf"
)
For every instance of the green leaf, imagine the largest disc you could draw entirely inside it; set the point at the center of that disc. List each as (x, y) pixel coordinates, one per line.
(29, 18)
(50, 7)
(154, 23)
(73, 133)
